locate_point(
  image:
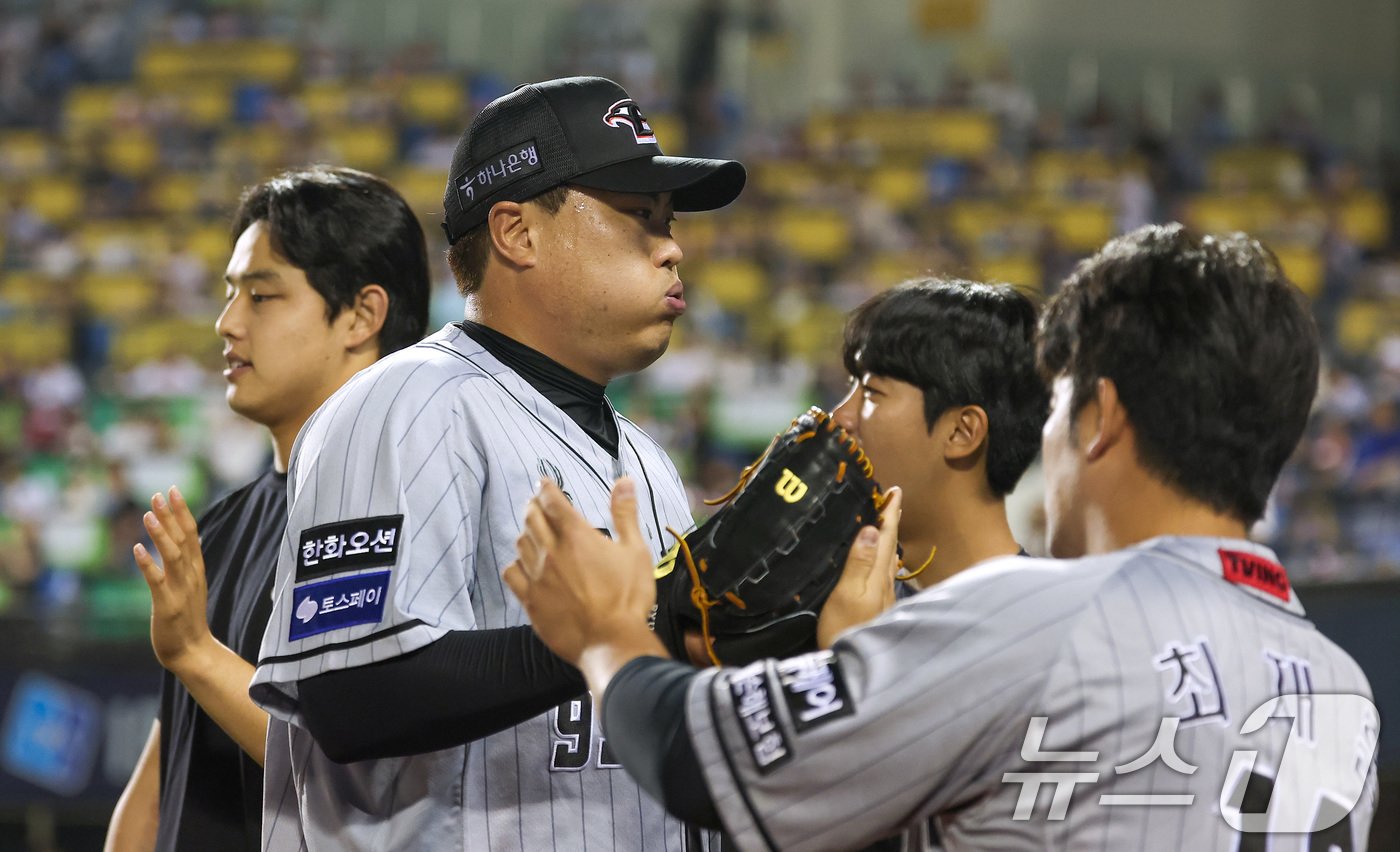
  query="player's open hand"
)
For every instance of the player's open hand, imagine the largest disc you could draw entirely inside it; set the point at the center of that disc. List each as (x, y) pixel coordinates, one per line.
(579, 587)
(867, 583)
(179, 594)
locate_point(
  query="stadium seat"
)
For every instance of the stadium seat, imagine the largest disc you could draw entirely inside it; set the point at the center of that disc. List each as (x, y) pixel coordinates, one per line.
(1365, 219)
(118, 295)
(815, 234)
(902, 187)
(437, 99)
(1021, 270)
(57, 199)
(24, 152)
(737, 284)
(1303, 266)
(132, 153)
(364, 146)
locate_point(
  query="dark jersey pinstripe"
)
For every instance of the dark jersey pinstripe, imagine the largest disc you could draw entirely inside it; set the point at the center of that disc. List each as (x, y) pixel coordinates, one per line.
(445, 436)
(1112, 653)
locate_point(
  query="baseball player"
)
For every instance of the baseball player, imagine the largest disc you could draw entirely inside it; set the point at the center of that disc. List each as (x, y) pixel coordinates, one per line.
(413, 706)
(304, 310)
(1159, 688)
(946, 401)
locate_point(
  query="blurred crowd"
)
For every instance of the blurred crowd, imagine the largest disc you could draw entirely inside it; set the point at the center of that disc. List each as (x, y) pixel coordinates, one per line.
(126, 132)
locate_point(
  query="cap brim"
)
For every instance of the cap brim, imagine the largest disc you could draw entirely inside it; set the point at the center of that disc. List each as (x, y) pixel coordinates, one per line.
(694, 184)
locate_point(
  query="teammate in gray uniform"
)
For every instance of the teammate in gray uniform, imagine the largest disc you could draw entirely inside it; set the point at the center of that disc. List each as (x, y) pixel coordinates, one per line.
(413, 708)
(947, 403)
(1160, 688)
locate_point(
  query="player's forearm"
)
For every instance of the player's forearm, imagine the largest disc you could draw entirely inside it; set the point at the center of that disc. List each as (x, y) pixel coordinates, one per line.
(217, 678)
(136, 818)
(467, 685)
(601, 662)
(644, 720)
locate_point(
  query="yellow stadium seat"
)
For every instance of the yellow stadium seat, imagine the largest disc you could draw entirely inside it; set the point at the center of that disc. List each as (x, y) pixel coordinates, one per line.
(146, 341)
(120, 295)
(364, 146)
(670, 133)
(1021, 270)
(255, 60)
(786, 179)
(887, 269)
(132, 153)
(262, 146)
(210, 240)
(970, 220)
(27, 290)
(951, 133)
(1256, 167)
(1359, 326)
(434, 99)
(737, 284)
(56, 199)
(206, 104)
(1080, 227)
(901, 187)
(25, 152)
(92, 107)
(696, 234)
(325, 102)
(1365, 219)
(816, 234)
(33, 343)
(1052, 173)
(1303, 266)
(142, 239)
(175, 194)
(421, 187)
(1218, 214)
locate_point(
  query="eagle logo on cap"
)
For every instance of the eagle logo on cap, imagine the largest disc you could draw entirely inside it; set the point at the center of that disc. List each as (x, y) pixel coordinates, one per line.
(626, 113)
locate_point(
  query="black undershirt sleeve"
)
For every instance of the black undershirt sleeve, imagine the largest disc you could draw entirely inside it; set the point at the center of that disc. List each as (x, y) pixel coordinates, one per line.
(465, 686)
(645, 706)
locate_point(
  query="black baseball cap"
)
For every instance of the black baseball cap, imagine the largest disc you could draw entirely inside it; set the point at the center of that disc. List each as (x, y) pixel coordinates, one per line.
(580, 130)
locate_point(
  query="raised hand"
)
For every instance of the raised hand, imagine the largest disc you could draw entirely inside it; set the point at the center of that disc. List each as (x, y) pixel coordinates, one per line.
(179, 594)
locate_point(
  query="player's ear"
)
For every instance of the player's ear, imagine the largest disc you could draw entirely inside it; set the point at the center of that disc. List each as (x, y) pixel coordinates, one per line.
(1109, 424)
(967, 432)
(367, 315)
(508, 222)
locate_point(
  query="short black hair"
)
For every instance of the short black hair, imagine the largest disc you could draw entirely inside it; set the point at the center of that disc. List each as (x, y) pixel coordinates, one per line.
(961, 343)
(466, 257)
(1213, 352)
(346, 228)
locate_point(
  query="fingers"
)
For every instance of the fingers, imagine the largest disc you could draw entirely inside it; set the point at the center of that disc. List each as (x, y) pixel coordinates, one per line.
(161, 509)
(160, 537)
(184, 518)
(624, 512)
(887, 554)
(517, 581)
(537, 528)
(558, 511)
(149, 569)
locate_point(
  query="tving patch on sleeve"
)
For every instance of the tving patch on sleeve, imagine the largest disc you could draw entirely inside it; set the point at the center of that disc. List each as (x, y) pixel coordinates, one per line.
(348, 545)
(338, 603)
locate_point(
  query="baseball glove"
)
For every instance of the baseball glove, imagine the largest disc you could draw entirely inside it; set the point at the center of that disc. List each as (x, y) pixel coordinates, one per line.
(753, 578)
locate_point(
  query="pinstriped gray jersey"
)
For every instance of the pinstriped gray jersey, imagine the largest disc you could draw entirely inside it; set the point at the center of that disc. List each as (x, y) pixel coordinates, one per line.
(1124, 701)
(407, 491)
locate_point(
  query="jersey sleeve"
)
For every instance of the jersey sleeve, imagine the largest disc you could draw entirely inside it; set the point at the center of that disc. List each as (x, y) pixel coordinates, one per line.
(383, 502)
(917, 712)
